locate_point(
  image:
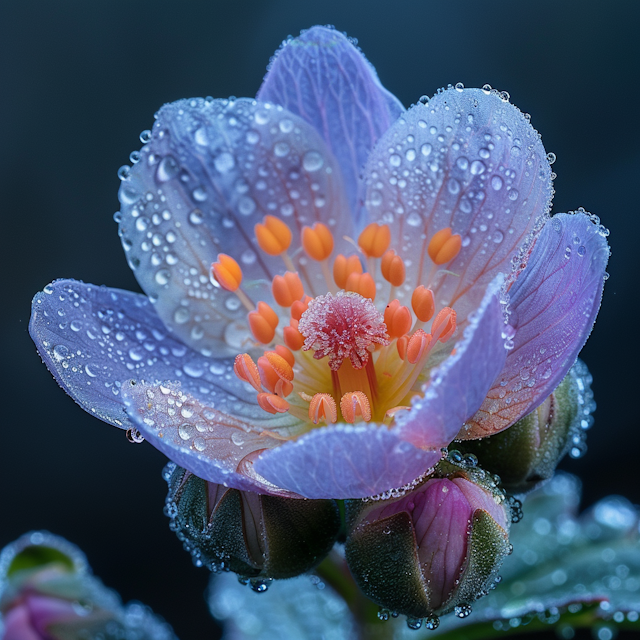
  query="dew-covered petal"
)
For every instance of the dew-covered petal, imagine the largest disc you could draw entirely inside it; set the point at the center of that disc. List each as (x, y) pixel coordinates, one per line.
(213, 445)
(459, 385)
(93, 339)
(324, 78)
(345, 461)
(211, 171)
(466, 160)
(553, 305)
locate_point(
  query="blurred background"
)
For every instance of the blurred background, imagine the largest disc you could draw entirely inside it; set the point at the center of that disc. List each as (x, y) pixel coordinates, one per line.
(80, 80)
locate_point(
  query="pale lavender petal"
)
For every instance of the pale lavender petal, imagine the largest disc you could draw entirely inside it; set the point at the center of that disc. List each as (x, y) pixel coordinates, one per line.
(18, 626)
(459, 385)
(469, 161)
(325, 79)
(214, 446)
(93, 339)
(343, 461)
(45, 611)
(480, 498)
(211, 171)
(553, 304)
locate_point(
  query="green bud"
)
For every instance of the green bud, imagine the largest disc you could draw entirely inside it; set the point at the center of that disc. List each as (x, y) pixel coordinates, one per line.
(259, 537)
(434, 548)
(528, 452)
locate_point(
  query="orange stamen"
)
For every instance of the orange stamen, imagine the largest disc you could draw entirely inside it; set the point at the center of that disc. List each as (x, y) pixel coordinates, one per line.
(272, 403)
(273, 235)
(323, 407)
(293, 338)
(227, 272)
(397, 318)
(343, 267)
(276, 373)
(361, 283)
(287, 289)
(317, 241)
(263, 323)
(393, 269)
(418, 345)
(299, 307)
(444, 324)
(354, 404)
(285, 353)
(422, 303)
(246, 369)
(402, 344)
(375, 239)
(444, 246)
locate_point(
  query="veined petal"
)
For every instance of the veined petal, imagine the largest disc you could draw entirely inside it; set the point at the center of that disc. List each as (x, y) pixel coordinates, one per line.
(459, 385)
(469, 161)
(211, 171)
(93, 339)
(344, 461)
(214, 446)
(325, 79)
(553, 305)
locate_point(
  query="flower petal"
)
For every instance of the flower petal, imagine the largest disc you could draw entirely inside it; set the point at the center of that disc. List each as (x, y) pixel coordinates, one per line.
(459, 385)
(469, 161)
(93, 339)
(344, 461)
(553, 305)
(325, 79)
(211, 171)
(214, 446)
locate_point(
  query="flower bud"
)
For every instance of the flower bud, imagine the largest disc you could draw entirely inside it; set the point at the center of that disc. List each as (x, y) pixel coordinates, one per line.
(434, 549)
(528, 452)
(259, 537)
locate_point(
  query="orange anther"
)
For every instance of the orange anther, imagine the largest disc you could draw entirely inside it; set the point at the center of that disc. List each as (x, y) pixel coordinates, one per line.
(299, 307)
(392, 267)
(317, 241)
(293, 338)
(444, 246)
(262, 331)
(343, 267)
(402, 344)
(273, 235)
(323, 407)
(285, 353)
(227, 272)
(272, 403)
(422, 303)
(268, 314)
(287, 289)
(354, 404)
(276, 373)
(444, 324)
(375, 239)
(361, 283)
(397, 318)
(418, 345)
(246, 369)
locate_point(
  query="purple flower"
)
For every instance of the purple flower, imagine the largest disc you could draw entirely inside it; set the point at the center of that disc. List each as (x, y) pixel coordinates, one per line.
(316, 207)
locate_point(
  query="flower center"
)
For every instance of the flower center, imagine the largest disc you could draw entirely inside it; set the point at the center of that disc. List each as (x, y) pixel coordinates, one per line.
(340, 357)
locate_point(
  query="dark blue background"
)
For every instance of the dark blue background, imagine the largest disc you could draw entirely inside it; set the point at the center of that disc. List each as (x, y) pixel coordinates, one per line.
(80, 80)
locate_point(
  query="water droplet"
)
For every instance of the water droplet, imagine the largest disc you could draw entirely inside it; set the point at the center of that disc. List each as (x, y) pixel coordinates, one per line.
(498, 236)
(196, 217)
(459, 86)
(237, 437)
(432, 622)
(134, 436)
(253, 137)
(60, 352)
(134, 157)
(199, 443)
(312, 161)
(484, 153)
(513, 194)
(395, 160)
(246, 205)
(410, 155)
(504, 96)
(199, 194)
(486, 88)
(477, 167)
(181, 315)
(414, 219)
(224, 162)
(145, 136)
(462, 610)
(281, 149)
(163, 276)
(462, 163)
(581, 251)
(551, 157)
(124, 171)
(426, 149)
(167, 169)
(414, 623)
(185, 430)
(496, 183)
(453, 186)
(423, 99)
